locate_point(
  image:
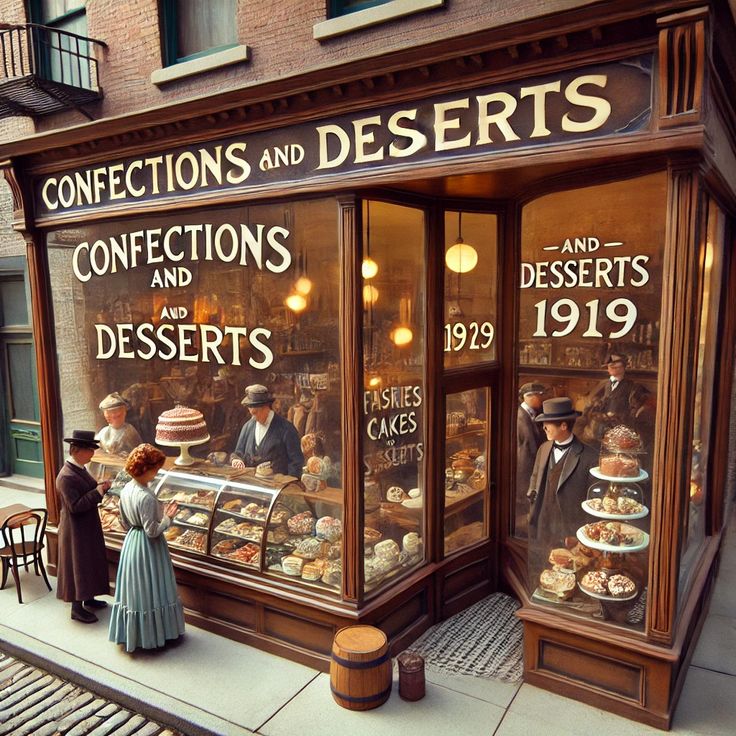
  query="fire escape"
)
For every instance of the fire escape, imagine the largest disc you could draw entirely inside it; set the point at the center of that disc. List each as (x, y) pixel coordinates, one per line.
(44, 70)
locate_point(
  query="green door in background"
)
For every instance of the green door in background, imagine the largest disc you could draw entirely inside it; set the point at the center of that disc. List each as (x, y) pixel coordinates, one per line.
(21, 436)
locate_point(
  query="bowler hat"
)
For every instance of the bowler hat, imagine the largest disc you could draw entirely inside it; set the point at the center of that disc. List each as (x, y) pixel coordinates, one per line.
(83, 438)
(113, 401)
(256, 395)
(614, 358)
(532, 388)
(557, 410)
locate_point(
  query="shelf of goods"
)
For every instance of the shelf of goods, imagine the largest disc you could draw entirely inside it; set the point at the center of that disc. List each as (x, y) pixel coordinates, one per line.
(612, 535)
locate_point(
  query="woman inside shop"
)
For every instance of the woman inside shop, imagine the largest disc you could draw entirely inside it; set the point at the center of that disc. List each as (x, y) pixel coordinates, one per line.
(267, 437)
(147, 611)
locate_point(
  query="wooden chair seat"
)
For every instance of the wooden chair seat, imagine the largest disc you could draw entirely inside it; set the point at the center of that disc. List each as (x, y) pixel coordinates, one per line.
(22, 538)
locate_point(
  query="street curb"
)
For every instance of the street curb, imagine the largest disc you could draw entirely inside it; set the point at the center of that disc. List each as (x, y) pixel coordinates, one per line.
(130, 694)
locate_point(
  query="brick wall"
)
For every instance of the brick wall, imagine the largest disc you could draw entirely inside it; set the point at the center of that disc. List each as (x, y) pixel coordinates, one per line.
(280, 38)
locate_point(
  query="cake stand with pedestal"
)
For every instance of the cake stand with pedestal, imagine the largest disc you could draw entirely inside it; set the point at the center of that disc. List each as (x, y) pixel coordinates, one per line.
(184, 459)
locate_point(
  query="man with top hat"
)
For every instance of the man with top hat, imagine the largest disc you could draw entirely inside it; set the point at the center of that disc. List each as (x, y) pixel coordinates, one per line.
(267, 436)
(529, 436)
(559, 482)
(119, 437)
(82, 564)
(616, 400)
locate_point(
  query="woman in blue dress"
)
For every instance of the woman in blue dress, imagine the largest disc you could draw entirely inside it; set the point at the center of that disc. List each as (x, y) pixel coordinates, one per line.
(147, 610)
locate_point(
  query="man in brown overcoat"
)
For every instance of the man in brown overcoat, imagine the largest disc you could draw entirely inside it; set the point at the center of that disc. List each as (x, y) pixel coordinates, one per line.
(82, 565)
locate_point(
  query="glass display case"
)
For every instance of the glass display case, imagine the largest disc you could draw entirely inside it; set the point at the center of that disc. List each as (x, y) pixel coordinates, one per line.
(272, 526)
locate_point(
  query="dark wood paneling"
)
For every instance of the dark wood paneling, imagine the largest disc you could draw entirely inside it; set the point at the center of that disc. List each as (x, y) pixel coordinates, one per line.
(604, 673)
(298, 630)
(235, 610)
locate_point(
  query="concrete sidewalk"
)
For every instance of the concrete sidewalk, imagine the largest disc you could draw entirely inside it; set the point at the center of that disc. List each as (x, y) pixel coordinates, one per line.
(207, 684)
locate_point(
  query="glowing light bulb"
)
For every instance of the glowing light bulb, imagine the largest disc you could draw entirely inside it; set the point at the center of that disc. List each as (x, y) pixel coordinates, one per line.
(296, 302)
(461, 258)
(374, 381)
(370, 294)
(369, 268)
(303, 286)
(402, 336)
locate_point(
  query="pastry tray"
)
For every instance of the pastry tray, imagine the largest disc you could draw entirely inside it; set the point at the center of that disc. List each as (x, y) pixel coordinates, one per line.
(609, 598)
(614, 517)
(620, 548)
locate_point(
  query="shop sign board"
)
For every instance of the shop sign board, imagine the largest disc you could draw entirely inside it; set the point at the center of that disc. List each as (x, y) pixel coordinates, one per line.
(597, 101)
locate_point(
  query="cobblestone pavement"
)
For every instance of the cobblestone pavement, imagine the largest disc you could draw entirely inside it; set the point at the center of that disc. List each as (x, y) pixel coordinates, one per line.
(36, 703)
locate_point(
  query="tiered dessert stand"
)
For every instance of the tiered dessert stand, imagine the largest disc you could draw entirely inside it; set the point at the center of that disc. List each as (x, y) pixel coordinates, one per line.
(610, 605)
(184, 459)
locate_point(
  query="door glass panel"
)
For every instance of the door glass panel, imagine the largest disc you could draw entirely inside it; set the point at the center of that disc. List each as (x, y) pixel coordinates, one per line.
(471, 253)
(466, 478)
(22, 390)
(394, 394)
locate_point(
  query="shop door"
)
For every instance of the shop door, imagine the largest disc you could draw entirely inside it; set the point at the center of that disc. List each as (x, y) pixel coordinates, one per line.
(21, 435)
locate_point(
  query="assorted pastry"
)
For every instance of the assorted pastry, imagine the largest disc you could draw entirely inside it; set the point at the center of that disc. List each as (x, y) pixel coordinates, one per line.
(621, 505)
(613, 533)
(604, 583)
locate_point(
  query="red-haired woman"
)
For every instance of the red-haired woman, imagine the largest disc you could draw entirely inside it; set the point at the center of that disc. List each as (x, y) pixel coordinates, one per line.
(147, 610)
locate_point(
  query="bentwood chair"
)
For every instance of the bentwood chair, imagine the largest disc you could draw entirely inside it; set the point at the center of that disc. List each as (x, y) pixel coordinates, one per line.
(22, 543)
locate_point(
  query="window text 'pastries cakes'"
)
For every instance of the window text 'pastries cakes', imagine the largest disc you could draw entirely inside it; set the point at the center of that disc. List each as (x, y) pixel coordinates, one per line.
(181, 424)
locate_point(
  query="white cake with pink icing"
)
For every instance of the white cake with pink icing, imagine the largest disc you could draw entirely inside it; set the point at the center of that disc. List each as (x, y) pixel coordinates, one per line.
(181, 425)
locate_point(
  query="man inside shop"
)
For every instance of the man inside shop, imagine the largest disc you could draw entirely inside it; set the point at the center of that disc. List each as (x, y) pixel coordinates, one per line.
(529, 436)
(617, 400)
(267, 437)
(559, 482)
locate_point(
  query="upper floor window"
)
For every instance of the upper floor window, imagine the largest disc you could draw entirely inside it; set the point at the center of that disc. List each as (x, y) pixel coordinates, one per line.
(192, 28)
(343, 7)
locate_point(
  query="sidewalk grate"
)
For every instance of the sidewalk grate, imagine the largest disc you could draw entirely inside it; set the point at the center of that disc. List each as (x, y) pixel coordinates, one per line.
(36, 703)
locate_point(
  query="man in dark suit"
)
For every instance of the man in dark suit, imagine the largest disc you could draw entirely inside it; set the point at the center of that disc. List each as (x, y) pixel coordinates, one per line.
(529, 436)
(82, 565)
(267, 436)
(559, 483)
(617, 400)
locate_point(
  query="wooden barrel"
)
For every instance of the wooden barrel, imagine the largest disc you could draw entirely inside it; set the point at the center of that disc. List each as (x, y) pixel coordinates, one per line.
(360, 670)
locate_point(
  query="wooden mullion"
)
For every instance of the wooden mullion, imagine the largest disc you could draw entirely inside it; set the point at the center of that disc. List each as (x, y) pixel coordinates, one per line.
(678, 348)
(351, 374)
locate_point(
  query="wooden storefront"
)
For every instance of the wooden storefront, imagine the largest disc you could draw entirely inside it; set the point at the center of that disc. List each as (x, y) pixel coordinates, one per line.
(589, 162)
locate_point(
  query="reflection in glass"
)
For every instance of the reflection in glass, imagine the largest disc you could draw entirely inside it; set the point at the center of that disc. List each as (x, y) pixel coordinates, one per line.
(394, 396)
(466, 474)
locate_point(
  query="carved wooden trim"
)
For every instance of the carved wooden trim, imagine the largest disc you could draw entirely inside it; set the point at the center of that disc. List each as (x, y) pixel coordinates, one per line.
(682, 51)
(46, 362)
(678, 344)
(351, 350)
(19, 209)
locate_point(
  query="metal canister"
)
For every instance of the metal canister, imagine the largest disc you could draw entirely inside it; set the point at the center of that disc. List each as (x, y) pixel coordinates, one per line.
(411, 676)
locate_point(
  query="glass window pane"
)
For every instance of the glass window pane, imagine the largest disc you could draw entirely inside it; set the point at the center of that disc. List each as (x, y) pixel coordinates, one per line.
(13, 308)
(394, 395)
(203, 26)
(471, 256)
(466, 481)
(22, 392)
(190, 309)
(343, 7)
(708, 343)
(590, 302)
(53, 9)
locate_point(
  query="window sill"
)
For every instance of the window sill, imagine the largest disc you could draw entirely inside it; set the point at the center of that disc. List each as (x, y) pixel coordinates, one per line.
(219, 59)
(371, 16)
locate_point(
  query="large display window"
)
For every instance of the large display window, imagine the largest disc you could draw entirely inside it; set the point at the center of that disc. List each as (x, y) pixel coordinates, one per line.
(394, 394)
(165, 325)
(590, 300)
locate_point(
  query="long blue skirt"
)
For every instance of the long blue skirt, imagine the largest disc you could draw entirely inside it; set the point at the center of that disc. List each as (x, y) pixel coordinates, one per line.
(147, 610)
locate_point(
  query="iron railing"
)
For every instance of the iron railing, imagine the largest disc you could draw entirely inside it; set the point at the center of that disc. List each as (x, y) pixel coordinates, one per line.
(43, 69)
